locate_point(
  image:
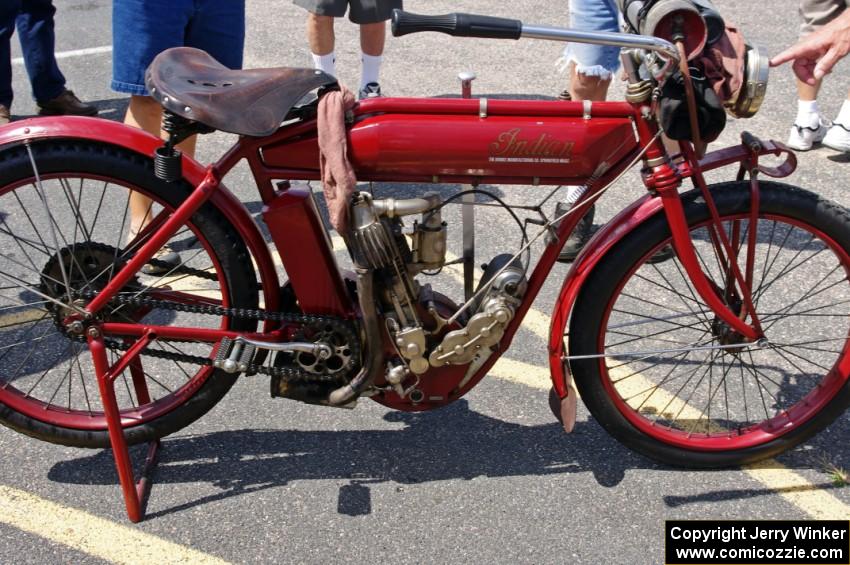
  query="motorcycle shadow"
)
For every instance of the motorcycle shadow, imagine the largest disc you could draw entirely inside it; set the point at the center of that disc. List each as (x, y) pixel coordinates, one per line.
(450, 443)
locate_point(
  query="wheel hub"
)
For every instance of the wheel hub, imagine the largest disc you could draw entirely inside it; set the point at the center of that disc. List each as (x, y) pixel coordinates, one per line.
(724, 333)
(88, 266)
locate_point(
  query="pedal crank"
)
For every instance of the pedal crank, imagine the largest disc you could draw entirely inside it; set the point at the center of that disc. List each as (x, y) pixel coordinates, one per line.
(236, 355)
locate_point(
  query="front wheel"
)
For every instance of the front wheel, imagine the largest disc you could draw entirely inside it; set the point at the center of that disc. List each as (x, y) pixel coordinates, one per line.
(672, 381)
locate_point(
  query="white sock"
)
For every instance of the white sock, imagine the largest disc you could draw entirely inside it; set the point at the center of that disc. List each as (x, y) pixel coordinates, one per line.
(371, 68)
(326, 63)
(808, 113)
(844, 115)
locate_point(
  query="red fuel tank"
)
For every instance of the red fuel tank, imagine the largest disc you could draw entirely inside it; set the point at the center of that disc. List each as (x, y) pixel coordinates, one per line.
(460, 140)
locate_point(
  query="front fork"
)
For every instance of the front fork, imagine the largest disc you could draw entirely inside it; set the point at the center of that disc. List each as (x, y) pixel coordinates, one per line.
(665, 180)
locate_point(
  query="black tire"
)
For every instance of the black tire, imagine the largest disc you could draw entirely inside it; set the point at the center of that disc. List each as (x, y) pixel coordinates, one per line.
(217, 238)
(604, 317)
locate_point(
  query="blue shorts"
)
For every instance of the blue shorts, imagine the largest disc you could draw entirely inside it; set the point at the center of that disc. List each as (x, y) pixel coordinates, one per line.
(141, 29)
(594, 15)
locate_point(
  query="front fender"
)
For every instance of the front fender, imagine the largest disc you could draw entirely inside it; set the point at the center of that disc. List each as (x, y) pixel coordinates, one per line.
(138, 141)
(602, 242)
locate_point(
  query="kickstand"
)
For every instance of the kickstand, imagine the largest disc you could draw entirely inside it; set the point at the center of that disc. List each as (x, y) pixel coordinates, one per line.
(135, 493)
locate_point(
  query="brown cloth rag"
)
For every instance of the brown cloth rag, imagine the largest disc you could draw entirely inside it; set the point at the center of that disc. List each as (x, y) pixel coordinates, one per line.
(338, 180)
(723, 64)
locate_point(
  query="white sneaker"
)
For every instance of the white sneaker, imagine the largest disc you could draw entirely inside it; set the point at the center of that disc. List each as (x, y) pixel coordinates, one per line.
(802, 138)
(371, 90)
(838, 137)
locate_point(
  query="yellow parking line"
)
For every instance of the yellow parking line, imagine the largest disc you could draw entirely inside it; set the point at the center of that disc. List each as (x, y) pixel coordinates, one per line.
(793, 487)
(518, 372)
(92, 535)
(22, 317)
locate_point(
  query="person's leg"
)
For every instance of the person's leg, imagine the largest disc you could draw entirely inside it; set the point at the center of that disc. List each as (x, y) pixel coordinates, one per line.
(838, 135)
(372, 16)
(140, 32)
(320, 31)
(320, 34)
(585, 86)
(145, 113)
(809, 127)
(218, 27)
(8, 12)
(591, 68)
(320, 37)
(36, 33)
(35, 30)
(372, 38)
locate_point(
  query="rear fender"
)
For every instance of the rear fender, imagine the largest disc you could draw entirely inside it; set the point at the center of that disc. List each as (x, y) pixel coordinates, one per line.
(599, 245)
(138, 141)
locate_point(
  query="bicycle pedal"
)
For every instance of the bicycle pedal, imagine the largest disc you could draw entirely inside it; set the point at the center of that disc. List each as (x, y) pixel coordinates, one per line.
(234, 356)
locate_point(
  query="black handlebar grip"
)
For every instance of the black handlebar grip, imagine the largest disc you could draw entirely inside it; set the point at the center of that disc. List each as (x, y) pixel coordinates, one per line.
(458, 25)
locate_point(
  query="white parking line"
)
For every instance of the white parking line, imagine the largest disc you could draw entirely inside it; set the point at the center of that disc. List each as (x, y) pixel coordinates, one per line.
(72, 53)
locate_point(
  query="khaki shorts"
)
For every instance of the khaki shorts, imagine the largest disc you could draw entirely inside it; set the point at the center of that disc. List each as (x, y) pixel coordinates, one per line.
(818, 13)
(361, 12)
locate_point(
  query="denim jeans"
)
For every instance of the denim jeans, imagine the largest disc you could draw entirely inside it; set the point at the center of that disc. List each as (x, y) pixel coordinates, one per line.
(34, 20)
(141, 29)
(594, 15)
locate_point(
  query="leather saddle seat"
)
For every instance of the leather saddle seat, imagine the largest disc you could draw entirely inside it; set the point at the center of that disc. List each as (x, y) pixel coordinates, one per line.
(254, 102)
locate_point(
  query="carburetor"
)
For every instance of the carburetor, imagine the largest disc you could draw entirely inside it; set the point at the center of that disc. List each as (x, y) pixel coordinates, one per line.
(428, 239)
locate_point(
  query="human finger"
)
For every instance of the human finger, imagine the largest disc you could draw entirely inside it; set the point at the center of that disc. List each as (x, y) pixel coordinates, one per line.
(825, 63)
(782, 58)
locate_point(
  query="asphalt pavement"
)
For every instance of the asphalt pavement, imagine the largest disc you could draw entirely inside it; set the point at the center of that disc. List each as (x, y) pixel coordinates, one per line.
(490, 479)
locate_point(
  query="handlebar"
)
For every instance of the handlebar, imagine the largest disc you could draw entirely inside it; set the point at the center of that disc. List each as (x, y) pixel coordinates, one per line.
(458, 25)
(473, 25)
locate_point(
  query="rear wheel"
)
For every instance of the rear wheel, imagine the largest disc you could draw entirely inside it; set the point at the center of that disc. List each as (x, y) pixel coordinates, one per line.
(670, 380)
(61, 240)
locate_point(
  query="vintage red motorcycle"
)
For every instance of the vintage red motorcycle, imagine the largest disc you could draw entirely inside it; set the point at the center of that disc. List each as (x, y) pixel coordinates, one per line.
(730, 350)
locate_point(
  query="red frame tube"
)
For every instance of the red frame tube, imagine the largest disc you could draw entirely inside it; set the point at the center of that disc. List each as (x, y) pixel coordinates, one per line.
(135, 494)
(183, 212)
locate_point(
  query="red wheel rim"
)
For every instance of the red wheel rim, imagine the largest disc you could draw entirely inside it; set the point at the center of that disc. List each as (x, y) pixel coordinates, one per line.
(95, 420)
(758, 433)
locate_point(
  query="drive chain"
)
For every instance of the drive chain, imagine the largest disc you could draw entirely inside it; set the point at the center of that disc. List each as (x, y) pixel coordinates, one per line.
(343, 327)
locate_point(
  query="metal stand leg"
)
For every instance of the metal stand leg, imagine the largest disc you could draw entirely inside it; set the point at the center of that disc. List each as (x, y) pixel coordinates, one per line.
(135, 493)
(468, 211)
(468, 215)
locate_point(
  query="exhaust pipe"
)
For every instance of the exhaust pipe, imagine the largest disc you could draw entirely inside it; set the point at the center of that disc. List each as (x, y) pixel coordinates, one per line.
(372, 356)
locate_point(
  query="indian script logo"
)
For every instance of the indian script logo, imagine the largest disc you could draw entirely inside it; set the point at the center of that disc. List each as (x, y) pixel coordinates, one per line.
(511, 147)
